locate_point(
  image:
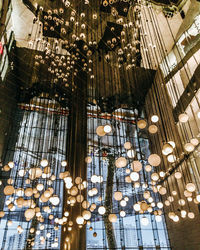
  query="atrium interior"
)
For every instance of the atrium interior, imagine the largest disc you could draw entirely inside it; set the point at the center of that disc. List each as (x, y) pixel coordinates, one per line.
(99, 124)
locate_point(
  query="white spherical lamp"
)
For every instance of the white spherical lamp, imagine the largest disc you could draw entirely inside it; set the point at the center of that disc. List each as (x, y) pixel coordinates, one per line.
(127, 145)
(155, 177)
(191, 187)
(88, 159)
(136, 207)
(107, 129)
(63, 163)
(183, 118)
(112, 218)
(171, 158)
(136, 166)
(167, 149)
(194, 141)
(130, 153)
(101, 210)
(148, 168)
(178, 175)
(86, 215)
(122, 213)
(121, 162)
(118, 196)
(134, 176)
(44, 163)
(154, 160)
(189, 147)
(80, 220)
(154, 118)
(55, 200)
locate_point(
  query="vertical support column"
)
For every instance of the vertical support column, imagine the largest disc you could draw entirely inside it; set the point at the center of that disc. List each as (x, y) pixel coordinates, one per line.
(76, 153)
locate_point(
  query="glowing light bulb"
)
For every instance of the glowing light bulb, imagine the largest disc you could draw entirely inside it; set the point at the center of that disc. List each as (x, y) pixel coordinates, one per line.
(154, 118)
(107, 129)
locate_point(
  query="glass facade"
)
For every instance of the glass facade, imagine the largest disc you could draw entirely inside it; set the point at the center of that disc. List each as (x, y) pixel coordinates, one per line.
(41, 135)
(128, 232)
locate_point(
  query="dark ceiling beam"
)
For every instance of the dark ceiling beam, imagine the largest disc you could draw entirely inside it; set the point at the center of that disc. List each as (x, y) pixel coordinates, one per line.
(30, 6)
(4, 11)
(188, 94)
(183, 61)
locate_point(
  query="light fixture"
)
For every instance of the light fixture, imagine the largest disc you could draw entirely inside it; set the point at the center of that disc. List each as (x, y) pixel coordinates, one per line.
(123, 203)
(101, 210)
(178, 175)
(136, 207)
(88, 159)
(167, 149)
(183, 118)
(121, 162)
(171, 158)
(79, 220)
(136, 166)
(127, 145)
(153, 129)
(162, 191)
(189, 147)
(154, 118)
(112, 218)
(100, 131)
(122, 213)
(148, 168)
(44, 163)
(63, 163)
(183, 213)
(118, 196)
(154, 160)
(86, 214)
(107, 129)
(134, 176)
(155, 177)
(175, 218)
(130, 153)
(191, 215)
(191, 187)
(141, 124)
(194, 141)
(158, 218)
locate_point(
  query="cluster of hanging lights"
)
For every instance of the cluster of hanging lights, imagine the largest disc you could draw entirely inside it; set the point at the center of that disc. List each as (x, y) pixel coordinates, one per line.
(156, 195)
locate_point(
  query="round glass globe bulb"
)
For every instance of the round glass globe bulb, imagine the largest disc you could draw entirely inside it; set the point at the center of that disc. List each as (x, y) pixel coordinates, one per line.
(130, 153)
(80, 220)
(127, 145)
(122, 213)
(107, 129)
(183, 118)
(154, 118)
(44, 163)
(134, 176)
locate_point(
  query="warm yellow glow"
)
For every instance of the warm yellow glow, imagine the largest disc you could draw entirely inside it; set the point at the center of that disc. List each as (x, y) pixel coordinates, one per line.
(154, 160)
(183, 118)
(121, 162)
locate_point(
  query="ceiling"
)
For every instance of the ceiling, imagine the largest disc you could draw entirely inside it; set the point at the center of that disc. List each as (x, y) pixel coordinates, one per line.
(22, 19)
